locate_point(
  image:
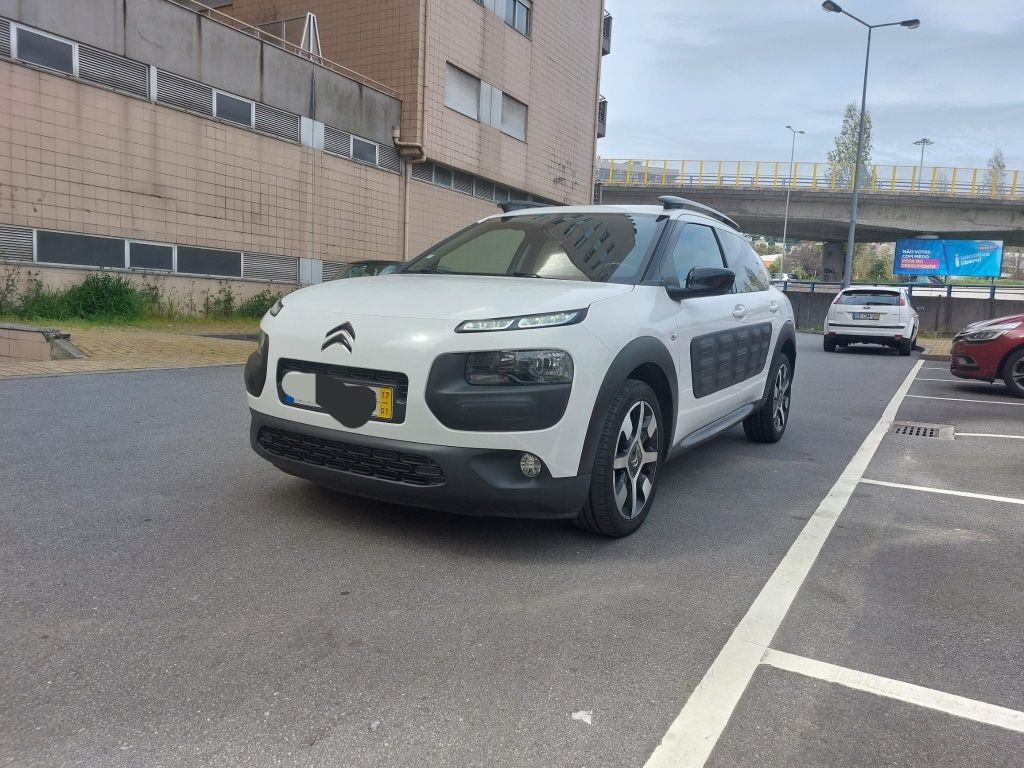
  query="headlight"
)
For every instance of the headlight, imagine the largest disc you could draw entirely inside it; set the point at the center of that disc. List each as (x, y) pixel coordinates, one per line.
(987, 334)
(276, 309)
(569, 317)
(519, 366)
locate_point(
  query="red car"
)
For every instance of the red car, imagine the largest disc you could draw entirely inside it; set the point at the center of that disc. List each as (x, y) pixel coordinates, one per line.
(990, 350)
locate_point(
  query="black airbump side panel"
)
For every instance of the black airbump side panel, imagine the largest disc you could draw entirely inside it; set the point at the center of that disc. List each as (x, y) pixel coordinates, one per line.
(719, 360)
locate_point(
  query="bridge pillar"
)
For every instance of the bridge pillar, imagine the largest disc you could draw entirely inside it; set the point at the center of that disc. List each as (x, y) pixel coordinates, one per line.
(833, 257)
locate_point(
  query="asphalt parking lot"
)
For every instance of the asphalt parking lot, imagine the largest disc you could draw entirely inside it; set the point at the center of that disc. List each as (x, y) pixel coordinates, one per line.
(167, 598)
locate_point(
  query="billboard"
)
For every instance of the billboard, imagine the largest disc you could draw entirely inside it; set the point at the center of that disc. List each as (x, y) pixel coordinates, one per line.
(927, 256)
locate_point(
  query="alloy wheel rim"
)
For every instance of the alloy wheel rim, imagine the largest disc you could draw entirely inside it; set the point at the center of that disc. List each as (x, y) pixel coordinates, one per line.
(781, 396)
(636, 460)
(1017, 374)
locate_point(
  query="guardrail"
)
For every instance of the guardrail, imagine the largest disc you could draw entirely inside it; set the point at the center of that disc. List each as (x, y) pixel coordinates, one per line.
(949, 290)
(825, 177)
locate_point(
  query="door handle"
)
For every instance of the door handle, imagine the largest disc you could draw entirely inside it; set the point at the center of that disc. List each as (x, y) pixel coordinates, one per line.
(740, 312)
(774, 306)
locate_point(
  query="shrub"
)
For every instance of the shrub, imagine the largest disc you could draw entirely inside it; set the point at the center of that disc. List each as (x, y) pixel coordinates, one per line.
(257, 305)
(105, 295)
(221, 304)
(38, 301)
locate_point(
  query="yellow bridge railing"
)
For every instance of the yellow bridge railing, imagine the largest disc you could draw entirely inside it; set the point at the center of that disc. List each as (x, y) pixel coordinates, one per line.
(825, 177)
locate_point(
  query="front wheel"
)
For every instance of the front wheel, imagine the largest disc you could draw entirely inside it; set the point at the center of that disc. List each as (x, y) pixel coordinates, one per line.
(1013, 373)
(768, 423)
(625, 474)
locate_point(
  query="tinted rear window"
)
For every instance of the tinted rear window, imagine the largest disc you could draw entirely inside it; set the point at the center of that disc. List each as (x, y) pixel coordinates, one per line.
(870, 297)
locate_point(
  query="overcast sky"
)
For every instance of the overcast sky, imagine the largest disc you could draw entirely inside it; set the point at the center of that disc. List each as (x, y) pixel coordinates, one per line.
(720, 79)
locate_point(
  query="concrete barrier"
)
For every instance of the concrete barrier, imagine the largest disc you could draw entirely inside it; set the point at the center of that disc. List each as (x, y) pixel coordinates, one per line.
(940, 315)
(30, 343)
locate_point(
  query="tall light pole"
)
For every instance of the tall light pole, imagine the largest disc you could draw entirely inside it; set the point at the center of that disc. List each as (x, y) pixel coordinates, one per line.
(922, 142)
(831, 7)
(789, 188)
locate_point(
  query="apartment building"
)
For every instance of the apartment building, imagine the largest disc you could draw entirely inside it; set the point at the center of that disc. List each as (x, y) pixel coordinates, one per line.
(274, 139)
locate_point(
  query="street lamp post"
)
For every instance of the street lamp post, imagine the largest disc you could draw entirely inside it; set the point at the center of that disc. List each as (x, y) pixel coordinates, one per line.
(831, 7)
(789, 188)
(922, 142)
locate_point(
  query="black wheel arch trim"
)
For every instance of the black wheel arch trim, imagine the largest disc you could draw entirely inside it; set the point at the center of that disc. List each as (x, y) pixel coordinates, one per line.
(788, 333)
(645, 350)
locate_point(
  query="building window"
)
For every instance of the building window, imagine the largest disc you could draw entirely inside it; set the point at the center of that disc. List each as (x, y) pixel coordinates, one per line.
(45, 50)
(513, 117)
(80, 250)
(364, 151)
(442, 176)
(233, 109)
(517, 15)
(150, 256)
(462, 92)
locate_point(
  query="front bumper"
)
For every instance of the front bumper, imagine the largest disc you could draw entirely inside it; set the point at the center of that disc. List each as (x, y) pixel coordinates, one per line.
(470, 481)
(975, 360)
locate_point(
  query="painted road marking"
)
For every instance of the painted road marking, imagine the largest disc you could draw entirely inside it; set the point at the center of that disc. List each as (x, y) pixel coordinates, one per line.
(963, 400)
(950, 703)
(695, 731)
(986, 434)
(949, 381)
(926, 489)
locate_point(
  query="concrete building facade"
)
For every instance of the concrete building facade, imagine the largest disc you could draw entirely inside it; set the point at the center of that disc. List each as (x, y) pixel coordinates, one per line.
(165, 137)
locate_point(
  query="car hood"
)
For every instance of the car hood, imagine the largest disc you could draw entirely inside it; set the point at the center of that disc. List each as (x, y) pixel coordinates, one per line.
(995, 321)
(450, 297)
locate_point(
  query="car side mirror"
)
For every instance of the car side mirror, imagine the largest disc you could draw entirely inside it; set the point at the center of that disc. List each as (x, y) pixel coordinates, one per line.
(703, 281)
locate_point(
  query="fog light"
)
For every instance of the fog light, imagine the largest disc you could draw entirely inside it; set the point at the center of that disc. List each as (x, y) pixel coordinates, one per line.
(530, 465)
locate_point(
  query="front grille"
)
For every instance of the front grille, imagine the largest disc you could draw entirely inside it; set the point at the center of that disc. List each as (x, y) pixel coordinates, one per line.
(365, 376)
(382, 464)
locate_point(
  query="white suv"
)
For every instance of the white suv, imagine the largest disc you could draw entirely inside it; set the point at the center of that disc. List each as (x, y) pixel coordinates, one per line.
(543, 362)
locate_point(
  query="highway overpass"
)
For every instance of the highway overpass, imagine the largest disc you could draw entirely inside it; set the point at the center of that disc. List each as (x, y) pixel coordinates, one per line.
(895, 201)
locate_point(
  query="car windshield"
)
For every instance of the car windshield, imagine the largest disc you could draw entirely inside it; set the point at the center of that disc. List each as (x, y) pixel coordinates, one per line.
(598, 247)
(867, 298)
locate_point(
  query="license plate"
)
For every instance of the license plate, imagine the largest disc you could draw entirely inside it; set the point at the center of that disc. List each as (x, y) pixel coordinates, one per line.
(299, 388)
(866, 315)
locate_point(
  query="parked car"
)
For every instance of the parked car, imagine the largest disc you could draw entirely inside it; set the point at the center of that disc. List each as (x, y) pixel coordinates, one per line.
(368, 268)
(539, 363)
(990, 350)
(874, 314)
(784, 277)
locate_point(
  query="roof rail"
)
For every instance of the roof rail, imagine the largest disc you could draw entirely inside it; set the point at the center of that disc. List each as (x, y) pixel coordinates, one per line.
(517, 205)
(671, 202)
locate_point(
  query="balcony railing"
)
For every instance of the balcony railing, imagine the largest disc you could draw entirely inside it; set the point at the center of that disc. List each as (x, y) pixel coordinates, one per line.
(825, 177)
(606, 34)
(602, 117)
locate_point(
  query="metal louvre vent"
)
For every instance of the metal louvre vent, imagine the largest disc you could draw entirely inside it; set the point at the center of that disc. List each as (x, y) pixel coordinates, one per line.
(337, 141)
(113, 71)
(277, 121)
(16, 243)
(483, 189)
(388, 159)
(262, 267)
(463, 182)
(5, 38)
(187, 94)
(423, 171)
(919, 429)
(332, 269)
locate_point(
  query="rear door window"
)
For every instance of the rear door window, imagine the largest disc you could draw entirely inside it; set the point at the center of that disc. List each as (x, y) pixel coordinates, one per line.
(751, 274)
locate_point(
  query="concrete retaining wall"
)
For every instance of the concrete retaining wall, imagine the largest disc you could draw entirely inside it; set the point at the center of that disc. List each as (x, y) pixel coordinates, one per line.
(939, 315)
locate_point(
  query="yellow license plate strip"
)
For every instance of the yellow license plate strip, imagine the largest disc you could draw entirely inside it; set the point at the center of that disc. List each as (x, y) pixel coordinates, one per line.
(385, 403)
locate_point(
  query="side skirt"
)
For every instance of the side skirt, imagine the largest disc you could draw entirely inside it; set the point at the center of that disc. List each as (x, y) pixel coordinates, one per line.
(715, 428)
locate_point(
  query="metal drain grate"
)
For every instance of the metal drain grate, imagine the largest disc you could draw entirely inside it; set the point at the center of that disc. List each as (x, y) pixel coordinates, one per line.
(918, 429)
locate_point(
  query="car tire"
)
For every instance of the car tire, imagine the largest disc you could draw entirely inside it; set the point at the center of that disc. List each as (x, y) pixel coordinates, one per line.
(829, 345)
(905, 347)
(768, 423)
(1013, 373)
(625, 474)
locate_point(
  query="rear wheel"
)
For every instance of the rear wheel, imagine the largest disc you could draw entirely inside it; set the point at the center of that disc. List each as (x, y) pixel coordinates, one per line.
(624, 478)
(768, 423)
(829, 344)
(905, 347)
(1013, 373)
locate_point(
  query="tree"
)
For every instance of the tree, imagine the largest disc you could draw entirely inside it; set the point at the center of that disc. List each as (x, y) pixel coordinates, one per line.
(843, 156)
(996, 171)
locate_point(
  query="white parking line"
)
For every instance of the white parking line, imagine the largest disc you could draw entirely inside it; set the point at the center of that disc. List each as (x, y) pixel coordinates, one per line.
(926, 489)
(949, 381)
(695, 731)
(960, 706)
(963, 400)
(986, 434)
